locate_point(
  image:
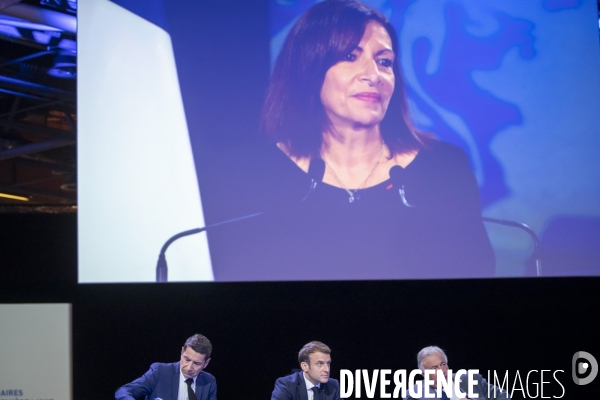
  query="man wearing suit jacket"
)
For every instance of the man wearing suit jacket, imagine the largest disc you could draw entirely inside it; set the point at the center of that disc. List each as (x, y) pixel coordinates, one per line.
(313, 382)
(431, 359)
(183, 380)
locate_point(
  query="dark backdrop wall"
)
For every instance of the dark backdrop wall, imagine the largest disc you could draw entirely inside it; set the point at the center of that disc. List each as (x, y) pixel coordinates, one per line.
(257, 328)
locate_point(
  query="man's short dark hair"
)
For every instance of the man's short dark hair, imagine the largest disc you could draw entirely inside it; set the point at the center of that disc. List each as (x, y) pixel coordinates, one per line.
(310, 348)
(200, 344)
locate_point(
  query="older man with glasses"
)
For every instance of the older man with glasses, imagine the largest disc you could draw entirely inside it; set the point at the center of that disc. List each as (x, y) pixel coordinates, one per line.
(432, 359)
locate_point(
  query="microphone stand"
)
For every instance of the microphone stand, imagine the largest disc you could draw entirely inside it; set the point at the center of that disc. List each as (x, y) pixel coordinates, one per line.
(162, 269)
(161, 265)
(537, 248)
(397, 176)
(316, 171)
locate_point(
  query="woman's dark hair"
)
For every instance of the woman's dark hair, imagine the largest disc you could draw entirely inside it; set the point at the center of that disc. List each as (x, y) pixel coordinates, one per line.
(323, 36)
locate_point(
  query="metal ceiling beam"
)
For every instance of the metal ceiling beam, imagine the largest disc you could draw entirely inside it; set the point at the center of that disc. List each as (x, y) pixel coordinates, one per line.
(6, 3)
(41, 90)
(35, 148)
(38, 130)
(26, 160)
(36, 107)
(30, 57)
(34, 192)
(23, 42)
(44, 16)
(19, 94)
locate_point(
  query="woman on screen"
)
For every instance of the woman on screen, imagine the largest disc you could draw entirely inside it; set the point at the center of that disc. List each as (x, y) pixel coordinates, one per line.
(336, 94)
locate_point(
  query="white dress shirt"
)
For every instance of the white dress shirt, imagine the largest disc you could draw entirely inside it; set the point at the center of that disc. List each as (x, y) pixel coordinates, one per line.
(183, 393)
(309, 387)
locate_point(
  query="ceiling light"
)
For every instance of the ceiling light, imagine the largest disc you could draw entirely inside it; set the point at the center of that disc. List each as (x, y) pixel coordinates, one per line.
(13, 197)
(65, 65)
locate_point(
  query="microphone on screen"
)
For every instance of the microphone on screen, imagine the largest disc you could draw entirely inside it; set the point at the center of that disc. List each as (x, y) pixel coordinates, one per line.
(397, 174)
(316, 171)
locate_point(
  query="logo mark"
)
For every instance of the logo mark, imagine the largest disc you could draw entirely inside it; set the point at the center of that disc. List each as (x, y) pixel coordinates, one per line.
(580, 368)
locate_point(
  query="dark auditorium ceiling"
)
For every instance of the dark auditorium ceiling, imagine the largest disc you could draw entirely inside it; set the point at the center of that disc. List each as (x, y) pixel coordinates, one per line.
(38, 105)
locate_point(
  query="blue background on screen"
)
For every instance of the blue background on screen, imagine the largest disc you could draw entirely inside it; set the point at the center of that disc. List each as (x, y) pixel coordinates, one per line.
(469, 73)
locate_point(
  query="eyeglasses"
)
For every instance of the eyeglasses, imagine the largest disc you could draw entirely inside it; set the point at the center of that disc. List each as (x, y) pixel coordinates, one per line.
(436, 367)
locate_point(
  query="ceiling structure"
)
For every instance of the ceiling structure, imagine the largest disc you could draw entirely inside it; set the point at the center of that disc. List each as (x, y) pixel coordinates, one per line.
(38, 113)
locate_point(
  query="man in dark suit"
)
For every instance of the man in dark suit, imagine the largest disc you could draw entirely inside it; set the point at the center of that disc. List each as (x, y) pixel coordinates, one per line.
(313, 382)
(432, 359)
(183, 380)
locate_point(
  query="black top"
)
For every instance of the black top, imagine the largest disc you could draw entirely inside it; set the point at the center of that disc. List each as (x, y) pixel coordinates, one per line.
(375, 237)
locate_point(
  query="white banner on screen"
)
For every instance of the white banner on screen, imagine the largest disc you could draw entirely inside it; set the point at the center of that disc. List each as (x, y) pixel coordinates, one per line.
(137, 182)
(35, 351)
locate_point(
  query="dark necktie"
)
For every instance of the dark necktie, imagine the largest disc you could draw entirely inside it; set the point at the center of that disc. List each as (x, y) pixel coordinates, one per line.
(191, 394)
(444, 397)
(316, 392)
